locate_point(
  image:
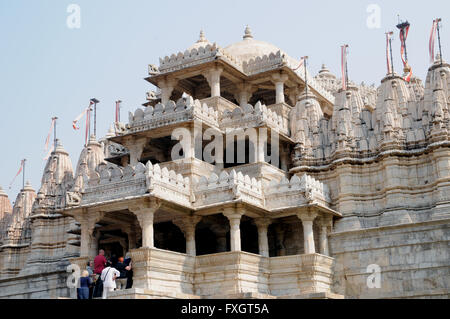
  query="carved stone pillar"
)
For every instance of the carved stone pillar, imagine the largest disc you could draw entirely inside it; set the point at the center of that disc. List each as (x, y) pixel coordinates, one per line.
(166, 87)
(213, 78)
(94, 243)
(87, 222)
(307, 219)
(136, 147)
(145, 215)
(279, 79)
(262, 224)
(234, 218)
(243, 93)
(326, 223)
(187, 225)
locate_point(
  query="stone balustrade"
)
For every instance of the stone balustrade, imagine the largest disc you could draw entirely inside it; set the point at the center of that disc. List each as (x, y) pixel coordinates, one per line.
(185, 109)
(229, 273)
(297, 191)
(113, 182)
(227, 186)
(196, 56)
(249, 116)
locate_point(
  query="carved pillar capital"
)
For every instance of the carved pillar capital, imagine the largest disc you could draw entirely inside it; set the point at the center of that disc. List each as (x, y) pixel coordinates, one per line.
(307, 219)
(212, 76)
(166, 86)
(145, 215)
(262, 224)
(307, 216)
(187, 225)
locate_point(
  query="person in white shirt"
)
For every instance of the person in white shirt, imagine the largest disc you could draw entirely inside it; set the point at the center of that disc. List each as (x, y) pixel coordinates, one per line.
(108, 276)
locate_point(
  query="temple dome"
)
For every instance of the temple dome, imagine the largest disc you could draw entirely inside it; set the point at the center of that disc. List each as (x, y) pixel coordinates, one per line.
(250, 48)
(201, 42)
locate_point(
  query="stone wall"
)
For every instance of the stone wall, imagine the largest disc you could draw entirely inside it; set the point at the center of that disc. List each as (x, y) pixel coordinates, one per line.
(414, 260)
(41, 286)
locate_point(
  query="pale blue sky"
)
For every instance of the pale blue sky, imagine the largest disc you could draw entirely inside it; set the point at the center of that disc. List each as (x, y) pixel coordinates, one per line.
(50, 70)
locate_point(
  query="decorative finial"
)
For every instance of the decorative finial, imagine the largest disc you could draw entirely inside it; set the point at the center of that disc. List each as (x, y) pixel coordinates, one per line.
(248, 33)
(28, 186)
(202, 37)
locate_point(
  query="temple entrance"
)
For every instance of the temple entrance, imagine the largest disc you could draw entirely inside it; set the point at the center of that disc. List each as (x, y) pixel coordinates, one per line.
(113, 250)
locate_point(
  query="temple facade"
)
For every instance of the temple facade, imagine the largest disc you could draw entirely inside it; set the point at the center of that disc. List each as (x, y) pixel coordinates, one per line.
(245, 176)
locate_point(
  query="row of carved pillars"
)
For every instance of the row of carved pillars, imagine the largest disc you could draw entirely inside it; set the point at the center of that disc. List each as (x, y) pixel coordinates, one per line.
(244, 90)
(187, 224)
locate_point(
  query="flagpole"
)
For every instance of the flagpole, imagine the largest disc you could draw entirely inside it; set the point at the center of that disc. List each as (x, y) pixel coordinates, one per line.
(23, 174)
(95, 101)
(346, 68)
(54, 132)
(118, 109)
(305, 58)
(390, 49)
(439, 38)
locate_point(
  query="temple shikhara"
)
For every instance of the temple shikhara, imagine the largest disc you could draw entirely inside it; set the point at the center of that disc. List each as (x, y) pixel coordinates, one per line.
(285, 184)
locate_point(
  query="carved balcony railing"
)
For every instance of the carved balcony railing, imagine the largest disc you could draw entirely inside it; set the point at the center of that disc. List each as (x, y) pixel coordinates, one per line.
(186, 109)
(296, 192)
(249, 116)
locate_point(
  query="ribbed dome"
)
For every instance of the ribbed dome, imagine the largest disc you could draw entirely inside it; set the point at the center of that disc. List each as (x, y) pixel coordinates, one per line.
(250, 48)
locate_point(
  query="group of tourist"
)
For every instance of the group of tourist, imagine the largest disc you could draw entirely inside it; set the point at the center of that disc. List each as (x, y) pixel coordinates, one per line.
(102, 276)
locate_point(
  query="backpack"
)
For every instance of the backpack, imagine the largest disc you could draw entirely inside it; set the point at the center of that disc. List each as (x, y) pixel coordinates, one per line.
(98, 289)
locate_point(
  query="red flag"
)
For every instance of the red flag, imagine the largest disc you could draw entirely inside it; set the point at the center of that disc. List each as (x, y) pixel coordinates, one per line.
(388, 47)
(47, 140)
(302, 59)
(22, 162)
(88, 124)
(74, 122)
(118, 110)
(49, 152)
(403, 36)
(432, 38)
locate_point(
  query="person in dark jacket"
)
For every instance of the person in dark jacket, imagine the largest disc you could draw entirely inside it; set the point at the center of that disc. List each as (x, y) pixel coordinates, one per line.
(85, 283)
(121, 281)
(128, 267)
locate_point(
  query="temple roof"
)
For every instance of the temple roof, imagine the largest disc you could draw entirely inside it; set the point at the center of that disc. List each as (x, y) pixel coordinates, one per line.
(250, 48)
